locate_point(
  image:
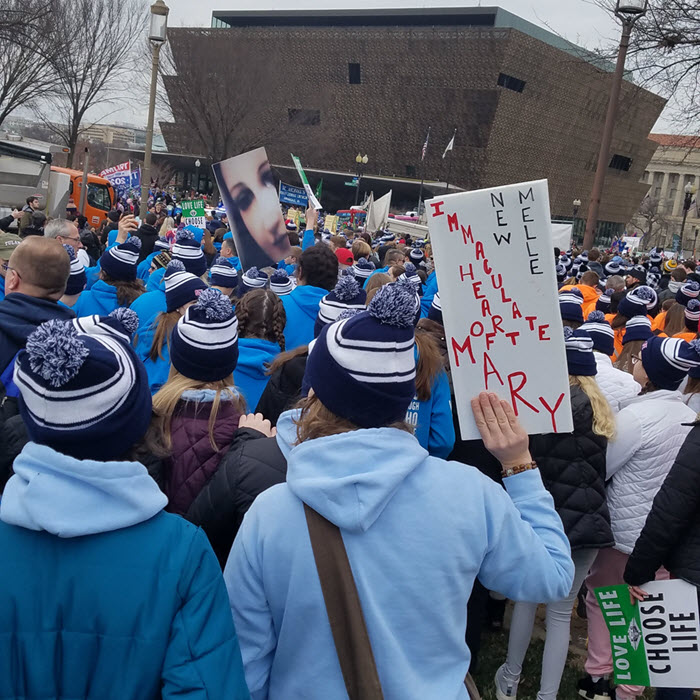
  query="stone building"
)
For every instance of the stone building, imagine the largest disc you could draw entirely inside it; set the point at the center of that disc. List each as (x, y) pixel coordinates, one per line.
(526, 103)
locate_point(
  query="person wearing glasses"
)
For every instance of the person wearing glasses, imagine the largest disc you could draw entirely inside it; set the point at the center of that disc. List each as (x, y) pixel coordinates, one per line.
(66, 233)
(650, 431)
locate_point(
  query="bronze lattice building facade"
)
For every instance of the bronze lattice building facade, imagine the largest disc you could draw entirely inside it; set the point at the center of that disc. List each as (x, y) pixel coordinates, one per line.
(526, 104)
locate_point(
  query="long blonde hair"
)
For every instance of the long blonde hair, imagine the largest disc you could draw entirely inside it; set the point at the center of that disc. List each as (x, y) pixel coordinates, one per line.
(166, 400)
(603, 417)
(167, 225)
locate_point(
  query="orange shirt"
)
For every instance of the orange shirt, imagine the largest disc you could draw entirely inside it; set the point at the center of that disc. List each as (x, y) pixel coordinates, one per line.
(659, 323)
(590, 297)
(686, 336)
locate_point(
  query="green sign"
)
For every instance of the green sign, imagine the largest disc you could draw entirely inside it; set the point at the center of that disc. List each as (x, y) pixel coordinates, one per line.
(193, 213)
(654, 643)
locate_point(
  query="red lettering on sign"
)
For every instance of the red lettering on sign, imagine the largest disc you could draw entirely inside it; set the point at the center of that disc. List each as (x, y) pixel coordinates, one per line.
(480, 255)
(437, 209)
(500, 281)
(504, 298)
(515, 391)
(485, 309)
(516, 312)
(467, 235)
(489, 340)
(513, 336)
(469, 274)
(551, 410)
(467, 347)
(476, 288)
(488, 372)
(531, 320)
(542, 330)
(452, 222)
(497, 321)
(487, 267)
(477, 329)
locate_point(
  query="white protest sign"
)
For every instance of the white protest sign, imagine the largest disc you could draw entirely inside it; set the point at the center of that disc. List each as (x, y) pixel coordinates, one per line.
(631, 242)
(561, 235)
(193, 213)
(494, 260)
(309, 192)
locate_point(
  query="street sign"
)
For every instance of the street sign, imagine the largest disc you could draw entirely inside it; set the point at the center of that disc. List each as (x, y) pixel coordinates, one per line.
(193, 213)
(355, 182)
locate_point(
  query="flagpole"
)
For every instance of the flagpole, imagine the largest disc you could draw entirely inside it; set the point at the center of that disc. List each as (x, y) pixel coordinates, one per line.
(422, 171)
(449, 167)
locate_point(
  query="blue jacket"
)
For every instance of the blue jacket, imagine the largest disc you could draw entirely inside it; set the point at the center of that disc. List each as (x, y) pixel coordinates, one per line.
(144, 268)
(149, 305)
(418, 531)
(2, 288)
(429, 290)
(100, 300)
(432, 419)
(376, 272)
(301, 307)
(103, 594)
(249, 375)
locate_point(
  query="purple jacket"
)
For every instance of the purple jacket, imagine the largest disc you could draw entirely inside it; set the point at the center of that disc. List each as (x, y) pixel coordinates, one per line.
(194, 461)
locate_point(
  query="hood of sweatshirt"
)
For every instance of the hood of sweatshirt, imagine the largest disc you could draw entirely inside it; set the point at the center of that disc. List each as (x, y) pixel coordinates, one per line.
(156, 281)
(351, 477)
(69, 497)
(305, 299)
(254, 354)
(100, 299)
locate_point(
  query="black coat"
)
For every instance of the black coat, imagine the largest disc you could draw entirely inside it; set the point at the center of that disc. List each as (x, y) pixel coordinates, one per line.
(671, 534)
(283, 389)
(252, 465)
(13, 438)
(573, 471)
(148, 235)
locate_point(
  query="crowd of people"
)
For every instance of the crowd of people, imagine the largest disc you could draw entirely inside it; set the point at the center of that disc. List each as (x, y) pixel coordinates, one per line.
(184, 441)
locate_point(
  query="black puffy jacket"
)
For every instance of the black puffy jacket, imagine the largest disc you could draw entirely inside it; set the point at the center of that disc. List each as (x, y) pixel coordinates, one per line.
(671, 534)
(573, 471)
(283, 389)
(252, 465)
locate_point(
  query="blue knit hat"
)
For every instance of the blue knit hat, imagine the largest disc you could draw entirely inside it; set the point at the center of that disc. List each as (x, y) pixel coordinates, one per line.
(204, 343)
(83, 390)
(120, 262)
(570, 305)
(77, 280)
(364, 369)
(601, 332)
(636, 302)
(435, 310)
(189, 252)
(223, 274)
(252, 279)
(604, 301)
(637, 328)
(612, 268)
(410, 274)
(280, 283)
(667, 360)
(161, 244)
(181, 287)
(690, 290)
(362, 269)
(347, 294)
(579, 353)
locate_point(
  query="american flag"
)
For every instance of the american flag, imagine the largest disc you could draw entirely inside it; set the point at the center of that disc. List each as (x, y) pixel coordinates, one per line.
(425, 145)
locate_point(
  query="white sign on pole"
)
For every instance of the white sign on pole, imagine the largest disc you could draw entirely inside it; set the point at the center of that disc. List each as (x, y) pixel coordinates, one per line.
(561, 235)
(494, 260)
(632, 243)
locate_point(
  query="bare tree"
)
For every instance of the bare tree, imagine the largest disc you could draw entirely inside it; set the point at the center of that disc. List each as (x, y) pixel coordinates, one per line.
(92, 71)
(651, 222)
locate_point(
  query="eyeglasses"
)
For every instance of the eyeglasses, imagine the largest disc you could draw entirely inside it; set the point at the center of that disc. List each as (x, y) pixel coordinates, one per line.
(635, 359)
(6, 267)
(70, 238)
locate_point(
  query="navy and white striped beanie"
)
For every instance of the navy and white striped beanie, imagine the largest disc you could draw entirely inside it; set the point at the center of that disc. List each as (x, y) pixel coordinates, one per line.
(601, 332)
(653, 277)
(280, 283)
(417, 256)
(363, 268)
(189, 252)
(347, 294)
(252, 279)
(571, 305)
(204, 343)
(637, 302)
(120, 261)
(604, 301)
(181, 287)
(363, 369)
(637, 328)
(77, 280)
(161, 244)
(692, 311)
(690, 290)
(560, 271)
(566, 261)
(435, 310)
(83, 390)
(612, 268)
(579, 353)
(223, 274)
(655, 257)
(410, 274)
(668, 360)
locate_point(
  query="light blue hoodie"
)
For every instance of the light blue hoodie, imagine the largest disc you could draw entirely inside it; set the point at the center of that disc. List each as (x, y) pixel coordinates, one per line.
(432, 419)
(430, 288)
(418, 532)
(301, 307)
(100, 300)
(249, 376)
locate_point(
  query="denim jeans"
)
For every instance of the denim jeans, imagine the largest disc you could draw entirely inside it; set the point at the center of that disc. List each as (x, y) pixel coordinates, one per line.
(674, 694)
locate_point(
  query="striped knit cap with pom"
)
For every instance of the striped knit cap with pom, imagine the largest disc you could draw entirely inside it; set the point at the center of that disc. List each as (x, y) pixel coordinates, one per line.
(181, 287)
(161, 244)
(223, 274)
(604, 301)
(571, 305)
(347, 294)
(579, 353)
(83, 390)
(417, 256)
(363, 369)
(637, 302)
(435, 310)
(637, 328)
(410, 274)
(690, 290)
(692, 312)
(77, 280)
(280, 283)
(120, 261)
(612, 268)
(252, 279)
(667, 361)
(204, 343)
(362, 269)
(601, 332)
(189, 253)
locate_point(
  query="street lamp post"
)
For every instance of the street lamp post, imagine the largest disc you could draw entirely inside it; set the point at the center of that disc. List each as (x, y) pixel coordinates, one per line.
(629, 11)
(361, 161)
(695, 243)
(688, 189)
(577, 206)
(198, 165)
(157, 36)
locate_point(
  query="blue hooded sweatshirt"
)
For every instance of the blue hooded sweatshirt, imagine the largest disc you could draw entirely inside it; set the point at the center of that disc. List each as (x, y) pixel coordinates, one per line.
(100, 300)
(2, 288)
(418, 531)
(103, 594)
(150, 304)
(301, 307)
(144, 269)
(432, 419)
(249, 375)
(429, 290)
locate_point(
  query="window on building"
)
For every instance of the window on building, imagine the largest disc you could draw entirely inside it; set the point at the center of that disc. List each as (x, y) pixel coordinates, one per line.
(304, 117)
(354, 73)
(673, 180)
(410, 171)
(511, 83)
(618, 162)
